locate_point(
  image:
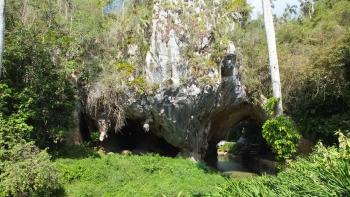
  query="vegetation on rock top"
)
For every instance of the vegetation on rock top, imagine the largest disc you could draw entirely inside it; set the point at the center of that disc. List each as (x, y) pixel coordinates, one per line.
(58, 52)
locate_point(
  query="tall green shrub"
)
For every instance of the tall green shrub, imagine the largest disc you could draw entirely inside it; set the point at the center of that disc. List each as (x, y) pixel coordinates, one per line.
(40, 90)
(281, 134)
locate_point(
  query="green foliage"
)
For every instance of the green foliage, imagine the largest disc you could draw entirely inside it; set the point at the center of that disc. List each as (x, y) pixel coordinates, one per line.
(125, 67)
(95, 136)
(28, 172)
(252, 55)
(41, 91)
(12, 131)
(14, 128)
(317, 127)
(5, 96)
(76, 152)
(146, 175)
(228, 147)
(51, 43)
(45, 49)
(270, 106)
(314, 65)
(140, 85)
(240, 6)
(324, 173)
(281, 134)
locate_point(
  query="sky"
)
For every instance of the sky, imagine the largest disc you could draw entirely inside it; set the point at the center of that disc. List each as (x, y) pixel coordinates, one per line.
(280, 5)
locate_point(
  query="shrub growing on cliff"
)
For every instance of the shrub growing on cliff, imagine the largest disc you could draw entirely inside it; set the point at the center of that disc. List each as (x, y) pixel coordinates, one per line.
(281, 134)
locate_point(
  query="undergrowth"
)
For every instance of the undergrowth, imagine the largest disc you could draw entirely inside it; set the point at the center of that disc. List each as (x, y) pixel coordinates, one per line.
(146, 175)
(324, 173)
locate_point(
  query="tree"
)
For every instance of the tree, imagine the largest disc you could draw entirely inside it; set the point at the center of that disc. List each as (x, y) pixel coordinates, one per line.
(289, 12)
(2, 31)
(271, 43)
(307, 7)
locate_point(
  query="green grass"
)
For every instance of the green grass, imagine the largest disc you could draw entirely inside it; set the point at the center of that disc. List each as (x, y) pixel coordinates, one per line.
(147, 175)
(326, 172)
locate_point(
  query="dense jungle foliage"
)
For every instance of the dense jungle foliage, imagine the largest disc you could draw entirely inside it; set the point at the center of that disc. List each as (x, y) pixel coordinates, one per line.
(314, 56)
(52, 47)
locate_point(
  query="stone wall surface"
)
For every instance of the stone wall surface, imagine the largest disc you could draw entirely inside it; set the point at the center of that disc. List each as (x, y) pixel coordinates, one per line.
(188, 115)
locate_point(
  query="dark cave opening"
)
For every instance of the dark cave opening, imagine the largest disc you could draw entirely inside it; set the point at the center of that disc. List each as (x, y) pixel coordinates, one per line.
(250, 146)
(134, 139)
(84, 127)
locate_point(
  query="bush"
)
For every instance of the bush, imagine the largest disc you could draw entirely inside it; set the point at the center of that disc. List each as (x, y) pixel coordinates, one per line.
(28, 172)
(281, 134)
(11, 132)
(13, 124)
(39, 88)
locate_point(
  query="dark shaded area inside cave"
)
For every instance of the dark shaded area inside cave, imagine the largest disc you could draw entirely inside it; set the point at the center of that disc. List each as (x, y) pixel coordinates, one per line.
(248, 137)
(133, 138)
(84, 127)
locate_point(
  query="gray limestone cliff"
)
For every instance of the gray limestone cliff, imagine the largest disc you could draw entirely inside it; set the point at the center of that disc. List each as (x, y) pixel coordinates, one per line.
(194, 104)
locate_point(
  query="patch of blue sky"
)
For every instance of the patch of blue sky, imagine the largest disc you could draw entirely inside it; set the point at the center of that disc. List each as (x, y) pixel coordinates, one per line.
(114, 6)
(279, 7)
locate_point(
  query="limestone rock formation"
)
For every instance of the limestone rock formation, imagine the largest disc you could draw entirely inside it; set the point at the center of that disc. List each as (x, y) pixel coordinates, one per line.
(194, 105)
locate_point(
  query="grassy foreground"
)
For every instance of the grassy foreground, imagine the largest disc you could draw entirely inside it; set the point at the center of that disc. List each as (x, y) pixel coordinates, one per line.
(147, 175)
(326, 172)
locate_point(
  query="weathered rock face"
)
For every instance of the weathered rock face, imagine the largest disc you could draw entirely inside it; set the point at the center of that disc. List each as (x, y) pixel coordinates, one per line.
(181, 29)
(163, 61)
(191, 116)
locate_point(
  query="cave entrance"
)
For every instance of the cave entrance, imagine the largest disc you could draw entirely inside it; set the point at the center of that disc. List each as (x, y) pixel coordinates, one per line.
(241, 151)
(133, 139)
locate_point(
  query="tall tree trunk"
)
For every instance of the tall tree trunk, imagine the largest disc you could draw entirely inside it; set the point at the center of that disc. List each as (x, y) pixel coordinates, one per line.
(2, 32)
(271, 43)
